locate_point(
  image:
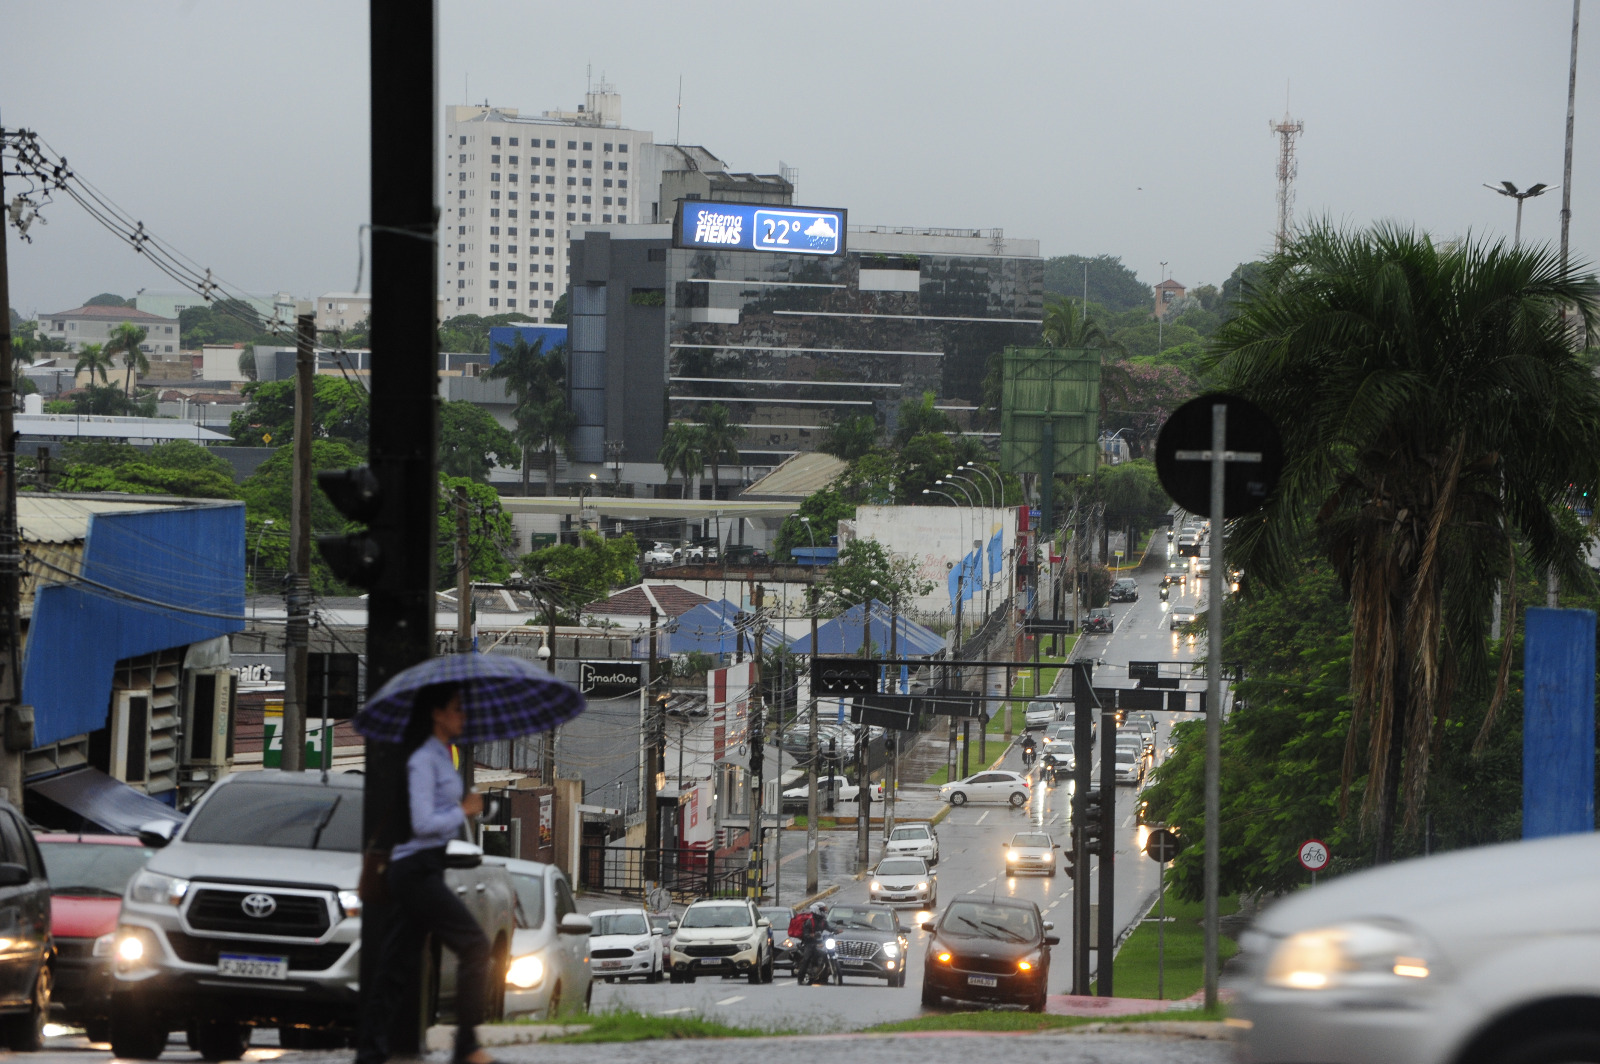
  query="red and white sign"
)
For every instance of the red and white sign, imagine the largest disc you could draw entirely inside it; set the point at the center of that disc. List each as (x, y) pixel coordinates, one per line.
(1314, 855)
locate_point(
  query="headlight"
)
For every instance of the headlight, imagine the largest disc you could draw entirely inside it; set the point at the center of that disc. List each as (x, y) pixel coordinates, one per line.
(134, 948)
(640, 947)
(789, 943)
(1011, 855)
(526, 972)
(104, 945)
(350, 902)
(153, 888)
(891, 950)
(830, 944)
(1028, 963)
(875, 885)
(1370, 955)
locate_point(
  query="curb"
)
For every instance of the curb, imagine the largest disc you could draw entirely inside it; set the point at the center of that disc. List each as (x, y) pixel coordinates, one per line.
(504, 1034)
(826, 892)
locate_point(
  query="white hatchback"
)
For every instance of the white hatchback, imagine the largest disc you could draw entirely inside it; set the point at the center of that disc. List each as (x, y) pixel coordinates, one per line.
(623, 945)
(913, 840)
(991, 786)
(549, 970)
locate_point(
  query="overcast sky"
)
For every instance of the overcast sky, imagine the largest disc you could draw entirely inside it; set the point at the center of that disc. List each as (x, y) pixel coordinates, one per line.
(237, 130)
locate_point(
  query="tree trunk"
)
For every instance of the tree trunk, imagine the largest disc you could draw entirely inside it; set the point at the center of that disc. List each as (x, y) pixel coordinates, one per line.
(714, 483)
(127, 381)
(524, 471)
(550, 467)
(1389, 800)
(683, 534)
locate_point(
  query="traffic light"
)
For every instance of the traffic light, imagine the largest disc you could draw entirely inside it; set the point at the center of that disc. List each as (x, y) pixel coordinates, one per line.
(1071, 859)
(354, 558)
(1088, 818)
(758, 744)
(888, 743)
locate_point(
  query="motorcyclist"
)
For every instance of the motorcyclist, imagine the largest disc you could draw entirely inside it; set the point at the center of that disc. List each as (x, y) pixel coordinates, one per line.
(1028, 750)
(811, 933)
(1166, 591)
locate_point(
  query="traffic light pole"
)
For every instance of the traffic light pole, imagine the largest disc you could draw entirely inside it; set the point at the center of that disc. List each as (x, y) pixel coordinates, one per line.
(1082, 782)
(404, 430)
(1108, 852)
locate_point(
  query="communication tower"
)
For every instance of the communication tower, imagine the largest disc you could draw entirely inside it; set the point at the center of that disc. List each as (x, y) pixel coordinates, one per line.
(1286, 131)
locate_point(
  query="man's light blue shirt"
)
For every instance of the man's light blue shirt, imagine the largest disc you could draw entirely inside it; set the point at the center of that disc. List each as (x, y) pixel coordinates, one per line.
(435, 795)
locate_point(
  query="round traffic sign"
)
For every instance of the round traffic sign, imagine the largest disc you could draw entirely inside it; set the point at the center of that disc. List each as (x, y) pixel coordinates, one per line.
(1314, 855)
(1162, 846)
(1183, 461)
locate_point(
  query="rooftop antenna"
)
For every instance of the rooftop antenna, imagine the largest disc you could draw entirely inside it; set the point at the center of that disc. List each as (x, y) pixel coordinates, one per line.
(1286, 132)
(677, 137)
(588, 78)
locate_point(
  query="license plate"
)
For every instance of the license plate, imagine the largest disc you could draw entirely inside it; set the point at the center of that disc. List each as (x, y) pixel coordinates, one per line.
(850, 962)
(251, 966)
(983, 980)
(711, 960)
(612, 964)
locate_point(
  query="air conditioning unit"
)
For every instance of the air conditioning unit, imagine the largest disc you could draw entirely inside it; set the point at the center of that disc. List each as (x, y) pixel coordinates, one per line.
(209, 718)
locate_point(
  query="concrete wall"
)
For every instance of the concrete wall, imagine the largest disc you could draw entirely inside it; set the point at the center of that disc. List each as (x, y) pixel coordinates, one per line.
(935, 537)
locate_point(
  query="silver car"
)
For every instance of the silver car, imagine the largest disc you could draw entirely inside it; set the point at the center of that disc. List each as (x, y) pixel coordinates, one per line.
(549, 972)
(1031, 852)
(904, 881)
(913, 840)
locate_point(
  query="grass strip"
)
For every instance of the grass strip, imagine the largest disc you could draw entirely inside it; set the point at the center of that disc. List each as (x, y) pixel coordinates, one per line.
(1030, 1021)
(625, 1025)
(940, 775)
(1135, 971)
(1024, 687)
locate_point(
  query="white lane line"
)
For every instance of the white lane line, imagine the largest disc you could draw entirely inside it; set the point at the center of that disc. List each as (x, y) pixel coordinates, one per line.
(1127, 821)
(985, 816)
(672, 1012)
(730, 1001)
(1052, 905)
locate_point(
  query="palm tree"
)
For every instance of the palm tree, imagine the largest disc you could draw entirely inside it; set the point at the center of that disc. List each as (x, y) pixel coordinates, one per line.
(547, 426)
(1066, 327)
(94, 359)
(683, 452)
(125, 340)
(537, 382)
(720, 441)
(1433, 413)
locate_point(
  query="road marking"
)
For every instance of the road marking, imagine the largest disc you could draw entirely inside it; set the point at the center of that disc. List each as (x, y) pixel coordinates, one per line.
(1052, 905)
(672, 1012)
(729, 1001)
(985, 816)
(1127, 821)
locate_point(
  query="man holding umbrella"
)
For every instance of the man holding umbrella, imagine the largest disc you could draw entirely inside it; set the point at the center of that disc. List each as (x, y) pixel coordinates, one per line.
(470, 697)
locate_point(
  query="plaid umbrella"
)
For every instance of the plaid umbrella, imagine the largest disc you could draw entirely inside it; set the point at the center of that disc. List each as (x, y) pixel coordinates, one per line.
(504, 697)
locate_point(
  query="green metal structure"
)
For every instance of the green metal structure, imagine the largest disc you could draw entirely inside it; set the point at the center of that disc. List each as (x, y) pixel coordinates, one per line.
(1048, 392)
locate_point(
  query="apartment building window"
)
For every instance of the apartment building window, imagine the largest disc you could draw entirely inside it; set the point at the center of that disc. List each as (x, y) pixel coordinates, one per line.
(494, 284)
(586, 218)
(461, 212)
(588, 182)
(622, 166)
(511, 303)
(512, 194)
(494, 141)
(511, 285)
(461, 176)
(513, 142)
(572, 182)
(588, 145)
(549, 251)
(622, 201)
(587, 200)
(606, 183)
(494, 160)
(549, 144)
(608, 164)
(572, 145)
(588, 164)
(461, 194)
(512, 213)
(494, 249)
(511, 267)
(493, 302)
(463, 159)
(461, 249)
(605, 218)
(622, 147)
(494, 212)
(459, 266)
(607, 201)
(511, 179)
(461, 282)
(549, 179)
(550, 162)
(461, 301)
(622, 183)
(494, 267)
(572, 164)
(548, 304)
(494, 194)
(608, 147)
(495, 176)
(548, 287)
(548, 268)
(512, 159)
(511, 230)
(494, 230)
(572, 199)
(463, 141)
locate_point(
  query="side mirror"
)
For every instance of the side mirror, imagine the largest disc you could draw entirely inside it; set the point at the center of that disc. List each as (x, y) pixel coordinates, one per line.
(157, 833)
(1058, 846)
(574, 924)
(672, 925)
(1048, 926)
(14, 875)
(928, 925)
(764, 922)
(1052, 940)
(459, 853)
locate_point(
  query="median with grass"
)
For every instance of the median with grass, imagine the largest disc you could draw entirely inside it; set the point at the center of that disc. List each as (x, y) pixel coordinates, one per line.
(1136, 968)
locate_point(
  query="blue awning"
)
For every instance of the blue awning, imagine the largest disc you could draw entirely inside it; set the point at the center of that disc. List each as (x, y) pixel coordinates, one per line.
(842, 635)
(714, 627)
(104, 802)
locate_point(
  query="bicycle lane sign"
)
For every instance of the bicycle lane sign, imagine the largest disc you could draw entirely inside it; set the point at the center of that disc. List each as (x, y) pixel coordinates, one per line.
(1314, 855)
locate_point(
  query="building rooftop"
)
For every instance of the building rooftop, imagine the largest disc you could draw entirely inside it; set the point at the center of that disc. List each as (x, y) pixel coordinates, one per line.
(1170, 283)
(116, 314)
(799, 477)
(670, 600)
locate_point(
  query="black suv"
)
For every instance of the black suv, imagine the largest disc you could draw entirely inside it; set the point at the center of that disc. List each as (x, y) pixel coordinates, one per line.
(25, 926)
(988, 949)
(870, 941)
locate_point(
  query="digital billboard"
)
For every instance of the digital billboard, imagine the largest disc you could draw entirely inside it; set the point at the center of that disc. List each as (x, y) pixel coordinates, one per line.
(754, 227)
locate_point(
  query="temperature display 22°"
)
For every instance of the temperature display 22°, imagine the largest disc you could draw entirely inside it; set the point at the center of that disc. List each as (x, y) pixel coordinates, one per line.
(804, 232)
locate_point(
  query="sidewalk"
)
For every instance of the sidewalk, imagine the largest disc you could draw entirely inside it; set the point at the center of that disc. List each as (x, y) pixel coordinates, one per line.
(1075, 1005)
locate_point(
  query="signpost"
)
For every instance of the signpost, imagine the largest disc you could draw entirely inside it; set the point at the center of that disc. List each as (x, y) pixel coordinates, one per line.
(1161, 847)
(1219, 455)
(1314, 857)
(610, 679)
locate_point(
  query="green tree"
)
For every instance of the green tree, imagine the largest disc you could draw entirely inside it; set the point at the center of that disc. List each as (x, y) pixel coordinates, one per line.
(94, 360)
(560, 314)
(918, 416)
(1432, 407)
(472, 442)
(683, 453)
(861, 561)
(921, 461)
(1111, 284)
(109, 400)
(536, 381)
(107, 299)
(340, 410)
(490, 535)
(145, 478)
(719, 437)
(569, 576)
(125, 340)
(268, 494)
(1133, 496)
(469, 333)
(1065, 326)
(849, 437)
(825, 508)
(228, 321)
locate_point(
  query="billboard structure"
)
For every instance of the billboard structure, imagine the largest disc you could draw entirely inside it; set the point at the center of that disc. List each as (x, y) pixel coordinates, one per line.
(757, 227)
(1049, 410)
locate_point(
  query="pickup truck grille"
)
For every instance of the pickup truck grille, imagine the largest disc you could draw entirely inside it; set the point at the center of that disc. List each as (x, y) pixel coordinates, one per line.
(293, 915)
(194, 950)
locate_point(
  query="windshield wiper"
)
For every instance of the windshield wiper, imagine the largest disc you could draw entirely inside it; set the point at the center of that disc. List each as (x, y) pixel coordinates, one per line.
(978, 926)
(1006, 931)
(316, 836)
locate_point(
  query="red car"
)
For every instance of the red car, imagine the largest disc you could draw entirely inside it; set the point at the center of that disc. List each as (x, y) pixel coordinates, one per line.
(88, 874)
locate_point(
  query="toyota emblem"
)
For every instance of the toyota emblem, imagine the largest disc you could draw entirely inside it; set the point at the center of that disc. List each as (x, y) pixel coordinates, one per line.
(259, 906)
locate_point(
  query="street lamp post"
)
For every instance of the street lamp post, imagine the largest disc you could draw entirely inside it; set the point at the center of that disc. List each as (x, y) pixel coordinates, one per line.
(265, 524)
(1506, 188)
(999, 485)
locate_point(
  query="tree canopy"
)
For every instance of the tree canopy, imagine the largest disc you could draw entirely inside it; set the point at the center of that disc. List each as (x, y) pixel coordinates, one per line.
(177, 468)
(340, 410)
(1111, 284)
(472, 442)
(569, 576)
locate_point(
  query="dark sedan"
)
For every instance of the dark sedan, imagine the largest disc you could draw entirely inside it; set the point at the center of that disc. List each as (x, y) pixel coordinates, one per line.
(870, 942)
(783, 947)
(988, 950)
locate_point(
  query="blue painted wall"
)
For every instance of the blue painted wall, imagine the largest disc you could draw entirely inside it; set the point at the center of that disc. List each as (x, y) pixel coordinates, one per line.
(1558, 723)
(554, 336)
(188, 561)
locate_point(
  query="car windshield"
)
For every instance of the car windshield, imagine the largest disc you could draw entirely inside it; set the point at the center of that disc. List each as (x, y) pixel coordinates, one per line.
(1007, 922)
(289, 816)
(777, 917)
(871, 919)
(908, 835)
(901, 867)
(530, 900)
(1030, 840)
(716, 916)
(620, 924)
(91, 868)
(1125, 754)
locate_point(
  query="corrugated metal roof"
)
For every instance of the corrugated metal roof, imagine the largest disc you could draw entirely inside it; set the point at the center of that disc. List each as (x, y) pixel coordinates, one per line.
(44, 517)
(798, 477)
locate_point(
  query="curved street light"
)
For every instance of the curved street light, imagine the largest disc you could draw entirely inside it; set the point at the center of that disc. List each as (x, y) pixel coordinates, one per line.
(265, 524)
(979, 492)
(999, 485)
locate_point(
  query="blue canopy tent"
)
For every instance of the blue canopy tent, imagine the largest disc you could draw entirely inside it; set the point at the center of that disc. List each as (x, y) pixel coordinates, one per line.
(842, 635)
(713, 628)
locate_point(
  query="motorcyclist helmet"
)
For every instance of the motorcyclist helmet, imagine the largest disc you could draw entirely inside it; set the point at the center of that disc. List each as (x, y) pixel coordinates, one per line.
(820, 909)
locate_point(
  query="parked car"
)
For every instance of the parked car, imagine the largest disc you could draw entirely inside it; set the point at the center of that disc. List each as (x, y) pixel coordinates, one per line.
(1180, 616)
(1040, 715)
(991, 786)
(88, 875)
(913, 840)
(993, 950)
(29, 953)
(549, 971)
(1483, 955)
(247, 916)
(661, 554)
(1031, 851)
(1124, 589)
(744, 554)
(799, 798)
(783, 947)
(720, 938)
(903, 881)
(870, 941)
(622, 945)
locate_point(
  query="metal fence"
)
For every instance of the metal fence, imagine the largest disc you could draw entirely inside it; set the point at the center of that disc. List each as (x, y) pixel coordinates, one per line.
(686, 873)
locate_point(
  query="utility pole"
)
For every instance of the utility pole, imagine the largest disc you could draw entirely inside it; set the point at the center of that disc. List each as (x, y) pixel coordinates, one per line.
(403, 440)
(811, 761)
(297, 633)
(18, 719)
(464, 610)
(656, 726)
(547, 770)
(1552, 597)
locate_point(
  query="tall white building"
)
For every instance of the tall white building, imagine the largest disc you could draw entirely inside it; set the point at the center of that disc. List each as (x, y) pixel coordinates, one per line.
(514, 186)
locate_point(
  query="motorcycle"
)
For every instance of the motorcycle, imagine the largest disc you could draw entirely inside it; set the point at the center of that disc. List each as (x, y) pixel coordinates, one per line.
(824, 967)
(1166, 592)
(1028, 756)
(1099, 622)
